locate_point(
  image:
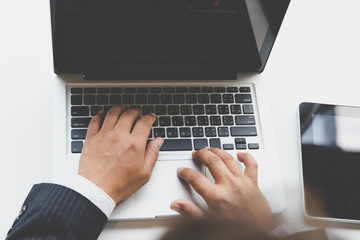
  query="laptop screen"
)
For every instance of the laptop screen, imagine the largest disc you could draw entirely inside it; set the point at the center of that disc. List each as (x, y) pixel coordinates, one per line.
(123, 37)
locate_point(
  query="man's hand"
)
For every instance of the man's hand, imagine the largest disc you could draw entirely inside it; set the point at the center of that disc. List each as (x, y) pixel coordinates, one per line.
(115, 156)
(234, 195)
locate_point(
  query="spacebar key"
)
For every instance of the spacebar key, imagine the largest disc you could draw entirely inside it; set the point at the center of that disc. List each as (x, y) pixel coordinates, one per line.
(177, 145)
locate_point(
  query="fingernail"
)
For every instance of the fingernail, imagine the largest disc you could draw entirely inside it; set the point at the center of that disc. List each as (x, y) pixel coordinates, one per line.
(153, 114)
(179, 170)
(176, 207)
(159, 142)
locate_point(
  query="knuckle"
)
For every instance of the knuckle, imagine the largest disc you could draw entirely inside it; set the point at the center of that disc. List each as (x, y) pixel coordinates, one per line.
(193, 177)
(212, 159)
(144, 121)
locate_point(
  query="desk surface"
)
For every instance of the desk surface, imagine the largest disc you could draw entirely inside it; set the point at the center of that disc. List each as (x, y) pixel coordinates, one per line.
(314, 59)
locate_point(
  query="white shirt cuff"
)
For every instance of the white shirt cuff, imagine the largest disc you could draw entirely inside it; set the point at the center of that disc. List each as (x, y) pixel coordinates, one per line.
(92, 192)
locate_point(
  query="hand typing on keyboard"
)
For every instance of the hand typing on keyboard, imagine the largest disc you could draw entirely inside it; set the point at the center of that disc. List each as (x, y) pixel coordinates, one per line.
(115, 156)
(234, 196)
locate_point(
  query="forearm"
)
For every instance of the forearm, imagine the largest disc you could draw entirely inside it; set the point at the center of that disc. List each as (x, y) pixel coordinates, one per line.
(54, 211)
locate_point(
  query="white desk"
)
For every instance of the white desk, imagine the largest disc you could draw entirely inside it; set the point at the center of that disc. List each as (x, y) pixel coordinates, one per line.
(315, 58)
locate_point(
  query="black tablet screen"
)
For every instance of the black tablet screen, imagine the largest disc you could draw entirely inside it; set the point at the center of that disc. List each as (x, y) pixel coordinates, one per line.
(330, 141)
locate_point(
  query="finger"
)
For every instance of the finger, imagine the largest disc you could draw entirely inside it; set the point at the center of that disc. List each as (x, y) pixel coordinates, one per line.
(251, 166)
(152, 153)
(143, 126)
(187, 208)
(95, 124)
(127, 119)
(229, 161)
(111, 118)
(216, 166)
(198, 181)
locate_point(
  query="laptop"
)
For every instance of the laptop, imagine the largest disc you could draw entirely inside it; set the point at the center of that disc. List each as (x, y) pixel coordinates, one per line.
(194, 63)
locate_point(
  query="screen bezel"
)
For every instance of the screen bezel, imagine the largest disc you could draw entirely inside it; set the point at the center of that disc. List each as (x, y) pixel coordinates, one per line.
(304, 110)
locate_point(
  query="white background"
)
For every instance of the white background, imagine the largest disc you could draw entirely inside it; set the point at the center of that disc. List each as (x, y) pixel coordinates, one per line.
(316, 58)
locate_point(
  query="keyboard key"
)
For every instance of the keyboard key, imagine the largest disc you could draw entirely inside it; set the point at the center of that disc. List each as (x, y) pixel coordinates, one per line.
(191, 98)
(215, 98)
(203, 98)
(203, 120)
(148, 109)
(228, 120)
(185, 132)
(215, 143)
(207, 89)
(159, 132)
(103, 90)
(235, 109)
(156, 90)
(172, 132)
(240, 146)
(156, 123)
(160, 110)
(243, 98)
(210, 132)
(177, 145)
(116, 90)
(173, 110)
(78, 133)
(166, 99)
(168, 89)
(190, 121)
(154, 99)
(76, 146)
(80, 111)
(198, 109)
(128, 99)
(253, 146)
(245, 120)
(248, 109)
(76, 100)
(240, 140)
(179, 99)
(80, 122)
(143, 90)
(232, 89)
(228, 98)
(177, 121)
(228, 146)
(210, 109)
(200, 144)
(223, 109)
(130, 90)
(89, 100)
(223, 131)
(102, 99)
(245, 89)
(164, 121)
(243, 131)
(198, 132)
(90, 90)
(186, 110)
(115, 99)
(215, 120)
(76, 91)
(181, 90)
(95, 109)
(220, 89)
(194, 89)
(141, 99)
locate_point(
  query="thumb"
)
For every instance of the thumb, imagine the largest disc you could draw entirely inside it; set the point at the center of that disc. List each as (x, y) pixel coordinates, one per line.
(152, 153)
(187, 208)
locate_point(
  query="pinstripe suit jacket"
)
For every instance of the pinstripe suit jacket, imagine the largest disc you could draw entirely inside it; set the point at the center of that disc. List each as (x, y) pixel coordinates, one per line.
(52, 211)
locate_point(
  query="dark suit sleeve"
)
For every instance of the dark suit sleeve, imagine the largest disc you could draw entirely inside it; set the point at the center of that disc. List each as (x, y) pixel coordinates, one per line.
(52, 211)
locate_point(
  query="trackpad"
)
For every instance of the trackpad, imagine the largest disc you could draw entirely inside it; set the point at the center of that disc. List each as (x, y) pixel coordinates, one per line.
(164, 187)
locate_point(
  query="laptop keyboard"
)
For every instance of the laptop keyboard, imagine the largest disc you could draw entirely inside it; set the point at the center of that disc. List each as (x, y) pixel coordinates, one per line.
(188, 118)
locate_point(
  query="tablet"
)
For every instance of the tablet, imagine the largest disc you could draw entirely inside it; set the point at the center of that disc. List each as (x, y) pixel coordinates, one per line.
(330, 149)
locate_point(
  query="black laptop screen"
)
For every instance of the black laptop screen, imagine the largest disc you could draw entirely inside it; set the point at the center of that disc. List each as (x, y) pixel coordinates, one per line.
(204, 35)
